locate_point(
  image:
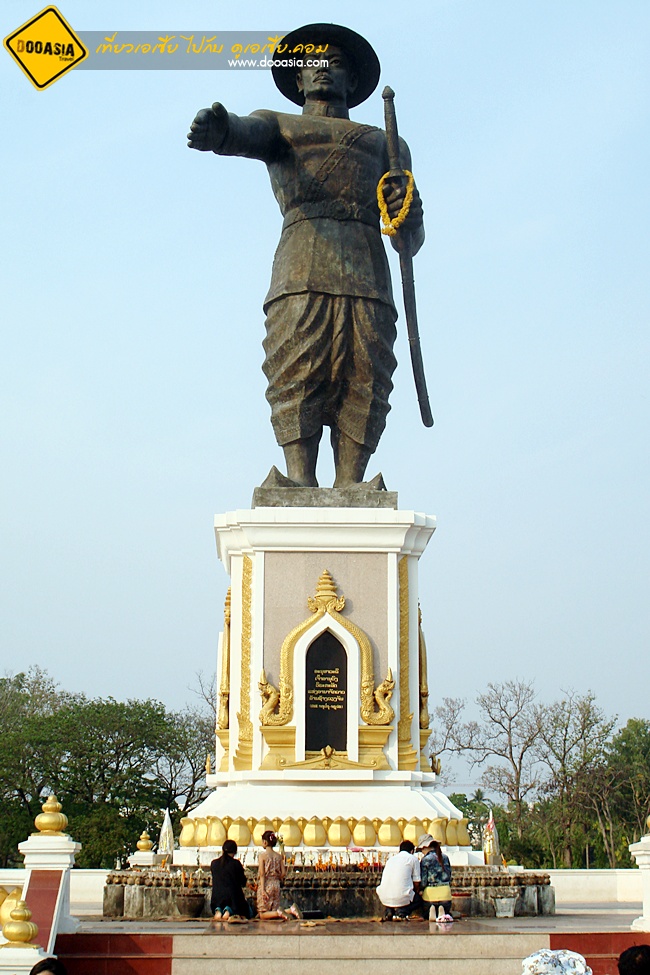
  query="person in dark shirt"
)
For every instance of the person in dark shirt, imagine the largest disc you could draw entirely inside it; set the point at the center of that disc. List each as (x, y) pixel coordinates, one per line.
(49, 966)
(635, 960)
(228, 882)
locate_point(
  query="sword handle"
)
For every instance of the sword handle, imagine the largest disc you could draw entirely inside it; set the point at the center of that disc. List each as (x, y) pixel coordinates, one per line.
(392, 135)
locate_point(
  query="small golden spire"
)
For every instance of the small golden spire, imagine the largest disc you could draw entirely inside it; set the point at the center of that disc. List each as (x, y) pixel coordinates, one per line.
(326, 597)
(51, 822)
(208, 764)
(144, 844)
(20, 930)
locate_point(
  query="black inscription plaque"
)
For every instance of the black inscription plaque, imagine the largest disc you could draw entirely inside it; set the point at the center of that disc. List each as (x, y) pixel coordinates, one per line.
(326, 684)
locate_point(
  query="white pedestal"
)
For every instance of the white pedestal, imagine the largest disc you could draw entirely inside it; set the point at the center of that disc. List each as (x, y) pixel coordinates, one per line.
(141, 859)
(19, 961)
(281, 562)
(641, 853)
(52, 853)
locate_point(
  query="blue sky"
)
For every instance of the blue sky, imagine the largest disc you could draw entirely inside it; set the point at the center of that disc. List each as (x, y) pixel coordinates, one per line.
(133, 273)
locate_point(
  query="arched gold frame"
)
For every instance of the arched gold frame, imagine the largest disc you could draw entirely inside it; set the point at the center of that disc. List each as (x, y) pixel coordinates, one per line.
(375, 707)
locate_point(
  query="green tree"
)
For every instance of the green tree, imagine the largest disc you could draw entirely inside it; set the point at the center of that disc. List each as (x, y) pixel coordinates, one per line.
(630, 751)
(573, 736)
(115, 766)
(180, 765)
(506, 733)
(477, 811)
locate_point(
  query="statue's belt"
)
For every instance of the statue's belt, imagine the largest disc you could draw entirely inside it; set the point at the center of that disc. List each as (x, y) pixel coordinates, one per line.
(332, 209)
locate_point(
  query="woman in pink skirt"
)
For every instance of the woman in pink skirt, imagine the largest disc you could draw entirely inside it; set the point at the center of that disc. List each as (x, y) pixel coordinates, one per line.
(270, 874)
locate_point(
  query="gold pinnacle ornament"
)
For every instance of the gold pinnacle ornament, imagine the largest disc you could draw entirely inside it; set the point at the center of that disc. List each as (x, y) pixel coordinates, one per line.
(144, 844)
(20, 930)
(51, 822)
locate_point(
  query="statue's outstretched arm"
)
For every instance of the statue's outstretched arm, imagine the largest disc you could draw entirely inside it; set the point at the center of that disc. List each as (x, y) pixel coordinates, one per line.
(255, 136)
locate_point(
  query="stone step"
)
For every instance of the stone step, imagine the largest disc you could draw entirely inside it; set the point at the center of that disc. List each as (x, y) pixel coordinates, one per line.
(235, 950)
(344, 948)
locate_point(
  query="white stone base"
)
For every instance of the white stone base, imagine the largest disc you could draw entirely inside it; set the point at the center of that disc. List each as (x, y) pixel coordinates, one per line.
(42, 852)
(641, 924)
(141, 859)
(400, 795)
(641, 853)
(20, 961)
(464, 856)
(190, 856)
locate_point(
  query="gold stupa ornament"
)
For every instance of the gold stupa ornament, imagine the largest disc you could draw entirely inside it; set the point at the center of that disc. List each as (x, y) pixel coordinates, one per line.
(326, 597)
(145, 843)
(20, 930)
(51, 822)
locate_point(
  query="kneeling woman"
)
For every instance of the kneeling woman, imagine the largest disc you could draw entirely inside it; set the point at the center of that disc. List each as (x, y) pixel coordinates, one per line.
(228, 881)
(270, 874)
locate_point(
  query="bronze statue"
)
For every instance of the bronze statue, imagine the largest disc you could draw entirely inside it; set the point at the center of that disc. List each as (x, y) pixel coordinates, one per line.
(330, 317)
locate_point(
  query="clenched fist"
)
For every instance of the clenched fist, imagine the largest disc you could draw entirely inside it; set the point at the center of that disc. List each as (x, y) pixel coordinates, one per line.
(209, 129)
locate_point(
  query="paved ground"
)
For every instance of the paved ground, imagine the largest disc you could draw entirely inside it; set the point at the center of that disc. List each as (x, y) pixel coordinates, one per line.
(569, 918)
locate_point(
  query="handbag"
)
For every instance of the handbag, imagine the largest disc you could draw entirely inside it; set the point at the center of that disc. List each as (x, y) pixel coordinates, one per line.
(438, 894)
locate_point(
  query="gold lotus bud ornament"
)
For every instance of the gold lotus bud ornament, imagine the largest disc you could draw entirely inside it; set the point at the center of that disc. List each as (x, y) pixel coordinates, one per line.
(20, 930)
(9, 902)
(364, 833)
(201, 833)
(291, 832)
(216, 831)
(239, 831)
(314, 833)
(144, 844)
(339, 833)
(51, 822)
(188, 829)
(389, 833)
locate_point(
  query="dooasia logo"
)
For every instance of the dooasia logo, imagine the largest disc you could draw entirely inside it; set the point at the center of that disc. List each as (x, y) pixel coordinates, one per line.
(45, 47)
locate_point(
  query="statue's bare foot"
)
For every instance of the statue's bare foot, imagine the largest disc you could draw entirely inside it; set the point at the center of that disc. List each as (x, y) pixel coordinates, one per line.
(350, 460)
(301, 457)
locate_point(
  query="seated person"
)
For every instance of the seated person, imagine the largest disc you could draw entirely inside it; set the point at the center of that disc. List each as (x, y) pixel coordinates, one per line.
(635, 960)
(228, 881)
(555, 962)
(49, 966)
(435, 874)
(400, 882)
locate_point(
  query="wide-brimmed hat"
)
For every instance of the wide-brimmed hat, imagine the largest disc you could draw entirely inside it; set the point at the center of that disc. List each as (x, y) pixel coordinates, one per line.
(558, 962)
(425, 841)
(359, 51)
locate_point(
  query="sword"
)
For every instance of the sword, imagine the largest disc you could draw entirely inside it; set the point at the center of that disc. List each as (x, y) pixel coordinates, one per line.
(403, 242)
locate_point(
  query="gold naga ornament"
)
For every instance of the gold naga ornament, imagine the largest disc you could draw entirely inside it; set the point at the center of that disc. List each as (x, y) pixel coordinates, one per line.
(278, 703)
(224, 684)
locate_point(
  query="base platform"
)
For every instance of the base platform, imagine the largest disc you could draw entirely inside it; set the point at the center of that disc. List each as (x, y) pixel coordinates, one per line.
(486, 946)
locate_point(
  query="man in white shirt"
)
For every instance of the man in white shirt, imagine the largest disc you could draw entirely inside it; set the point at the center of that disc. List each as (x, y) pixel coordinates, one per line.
(400, 883)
